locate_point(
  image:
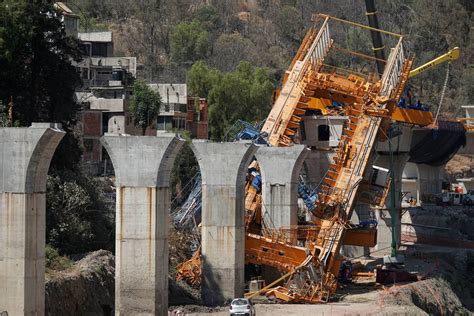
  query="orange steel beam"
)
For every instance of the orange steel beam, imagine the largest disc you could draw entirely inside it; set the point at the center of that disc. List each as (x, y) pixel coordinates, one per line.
(362, 238)
(278, 254)
(409, 116)
(412, 116)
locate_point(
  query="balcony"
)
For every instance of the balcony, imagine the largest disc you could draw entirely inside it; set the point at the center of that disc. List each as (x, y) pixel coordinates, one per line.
(109, 105)
(173, 108)
(105, 83)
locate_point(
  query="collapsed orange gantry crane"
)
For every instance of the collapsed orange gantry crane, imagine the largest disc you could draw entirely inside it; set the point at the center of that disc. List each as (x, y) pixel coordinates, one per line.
(310, 254)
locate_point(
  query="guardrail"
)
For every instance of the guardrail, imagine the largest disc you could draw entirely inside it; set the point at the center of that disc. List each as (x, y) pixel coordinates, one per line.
(316, 53)
(393, 69)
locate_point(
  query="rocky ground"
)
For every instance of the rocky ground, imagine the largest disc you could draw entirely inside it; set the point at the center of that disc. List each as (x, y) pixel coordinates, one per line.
(433, 296)
(460, 165)
(87, 288)
(445, 287)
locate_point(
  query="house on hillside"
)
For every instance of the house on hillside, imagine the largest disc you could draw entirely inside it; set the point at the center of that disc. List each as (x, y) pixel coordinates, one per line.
(106, 92)
(68, 17)
(180, 111)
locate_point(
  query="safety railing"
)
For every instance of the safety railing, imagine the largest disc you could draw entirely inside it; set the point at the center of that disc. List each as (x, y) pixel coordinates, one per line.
(393, 70)
(316, 53)
(320, 46)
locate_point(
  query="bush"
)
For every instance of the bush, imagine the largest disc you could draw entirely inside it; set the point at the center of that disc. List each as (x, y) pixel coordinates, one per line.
(77, 217)
(56, 262)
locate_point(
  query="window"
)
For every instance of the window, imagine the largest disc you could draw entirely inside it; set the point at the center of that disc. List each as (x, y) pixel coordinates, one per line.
(323, 132)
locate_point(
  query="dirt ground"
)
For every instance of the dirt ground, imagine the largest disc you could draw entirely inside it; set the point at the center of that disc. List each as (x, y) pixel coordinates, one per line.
(355, 305)
(444, 288)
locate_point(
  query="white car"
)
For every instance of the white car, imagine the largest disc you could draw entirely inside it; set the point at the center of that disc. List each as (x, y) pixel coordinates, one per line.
(241, 306)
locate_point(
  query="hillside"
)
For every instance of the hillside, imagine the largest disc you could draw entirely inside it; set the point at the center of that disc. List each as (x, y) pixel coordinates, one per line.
(169, 36)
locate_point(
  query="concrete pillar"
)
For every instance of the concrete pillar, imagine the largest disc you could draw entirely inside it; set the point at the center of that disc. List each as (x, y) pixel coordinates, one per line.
(142, 168)
(429, 182)
(280, 168)
(316, 165)
(384, 228)
(223, 170)
(26, 154)
(362, 212)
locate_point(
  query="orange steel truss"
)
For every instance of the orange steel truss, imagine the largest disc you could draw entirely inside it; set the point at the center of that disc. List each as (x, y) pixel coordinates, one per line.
(312, 252)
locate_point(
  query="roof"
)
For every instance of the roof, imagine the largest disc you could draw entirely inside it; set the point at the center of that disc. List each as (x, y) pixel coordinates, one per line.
(171, 93)
(104, 37)
(64, 9)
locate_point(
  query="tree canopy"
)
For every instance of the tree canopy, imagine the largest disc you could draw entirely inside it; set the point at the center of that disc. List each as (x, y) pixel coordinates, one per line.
(244, 94)
(35, 62)
(189, 42)
(145, 105)
(77, 217)
(37, 75)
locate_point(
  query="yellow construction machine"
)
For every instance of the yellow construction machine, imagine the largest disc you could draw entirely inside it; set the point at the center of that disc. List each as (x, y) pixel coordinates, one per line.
(450, 56)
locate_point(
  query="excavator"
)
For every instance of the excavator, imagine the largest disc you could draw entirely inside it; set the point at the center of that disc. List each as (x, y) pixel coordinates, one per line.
(308, 255)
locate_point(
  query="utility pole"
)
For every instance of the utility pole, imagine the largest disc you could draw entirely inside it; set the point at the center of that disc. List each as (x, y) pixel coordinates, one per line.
(393, 211)
(377, 42)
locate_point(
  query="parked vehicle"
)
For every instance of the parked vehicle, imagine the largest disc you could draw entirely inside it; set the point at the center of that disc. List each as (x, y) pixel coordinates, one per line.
(241, 306)
(468, 198)
(449, 198)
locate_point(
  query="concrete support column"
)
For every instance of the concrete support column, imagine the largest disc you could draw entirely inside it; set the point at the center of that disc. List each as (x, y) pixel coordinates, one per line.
(26, 154)
(384, 228)
(142, 168)
(362, 212)
(223, 170)
(280, 168)
(429, 182)
(316, 165)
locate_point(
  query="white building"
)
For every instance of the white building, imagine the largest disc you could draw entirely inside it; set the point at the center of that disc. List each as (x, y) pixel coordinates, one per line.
(173, 111)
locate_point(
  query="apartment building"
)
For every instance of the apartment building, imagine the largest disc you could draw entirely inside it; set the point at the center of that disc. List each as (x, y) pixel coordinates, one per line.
(106, 92)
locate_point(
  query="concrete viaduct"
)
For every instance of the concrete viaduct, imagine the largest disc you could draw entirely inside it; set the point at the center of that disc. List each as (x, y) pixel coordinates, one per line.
(143, 165)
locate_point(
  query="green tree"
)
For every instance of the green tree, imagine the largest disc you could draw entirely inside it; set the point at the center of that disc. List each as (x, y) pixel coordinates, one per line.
(184, 170)
(35, 58)
(189, 42)
(208, 16)
(290, 28)
(201, 79)
(78, 219)
(36, 70)
(244, 94)
(145, 105)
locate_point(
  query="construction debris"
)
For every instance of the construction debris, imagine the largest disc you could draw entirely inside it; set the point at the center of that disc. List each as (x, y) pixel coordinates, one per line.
(309, 255)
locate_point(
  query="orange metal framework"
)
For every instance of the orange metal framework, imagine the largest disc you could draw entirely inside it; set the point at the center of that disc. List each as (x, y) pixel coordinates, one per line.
(312, 253)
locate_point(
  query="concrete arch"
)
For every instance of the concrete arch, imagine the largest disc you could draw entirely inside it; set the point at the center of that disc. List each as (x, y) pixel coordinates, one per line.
(135, 158)
(223, 169)
(143, 166)
(26, 155)
(280, 168)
